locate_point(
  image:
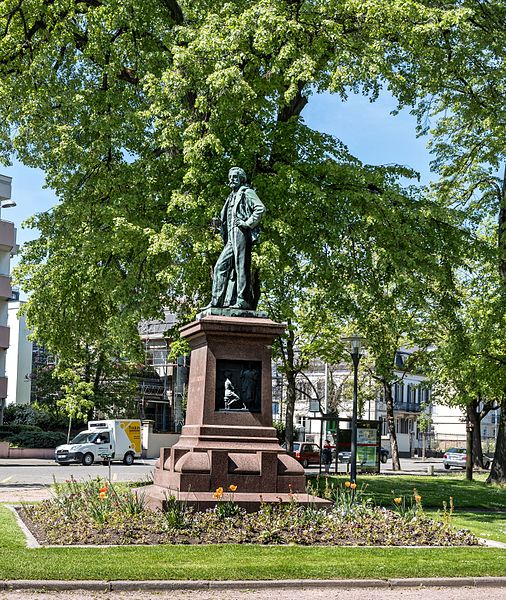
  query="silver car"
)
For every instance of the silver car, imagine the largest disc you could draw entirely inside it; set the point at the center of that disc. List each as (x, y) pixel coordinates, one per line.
(455, 457)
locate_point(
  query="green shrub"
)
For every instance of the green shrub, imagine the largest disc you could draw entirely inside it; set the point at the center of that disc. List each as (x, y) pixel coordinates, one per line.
(26, 414)
(38, 439)
(7, 431)
(280, 430)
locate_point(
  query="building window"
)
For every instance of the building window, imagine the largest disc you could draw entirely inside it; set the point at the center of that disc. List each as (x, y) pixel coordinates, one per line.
(398, 392)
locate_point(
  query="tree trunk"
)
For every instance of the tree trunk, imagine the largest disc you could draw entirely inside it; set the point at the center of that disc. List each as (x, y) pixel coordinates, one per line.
(474, 420)
(2, 409)
(469, 440)
(498, 470)
(394, 448)
(290, 409)
(69, 428)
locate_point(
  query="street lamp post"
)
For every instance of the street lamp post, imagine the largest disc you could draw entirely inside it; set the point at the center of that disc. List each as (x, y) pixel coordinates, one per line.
(355, 342)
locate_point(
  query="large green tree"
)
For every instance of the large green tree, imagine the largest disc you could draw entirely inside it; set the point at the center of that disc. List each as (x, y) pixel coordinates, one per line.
(463, 369)
(454, 77)
(135, 110)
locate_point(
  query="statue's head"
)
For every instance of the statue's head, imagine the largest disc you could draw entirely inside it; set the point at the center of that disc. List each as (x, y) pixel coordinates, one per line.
(236, 177)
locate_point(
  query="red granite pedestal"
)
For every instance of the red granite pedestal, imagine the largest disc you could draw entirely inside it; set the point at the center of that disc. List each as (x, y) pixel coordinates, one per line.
(220, 447)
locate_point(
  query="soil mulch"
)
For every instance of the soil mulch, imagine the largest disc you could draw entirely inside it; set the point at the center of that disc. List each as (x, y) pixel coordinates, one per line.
(52, 525)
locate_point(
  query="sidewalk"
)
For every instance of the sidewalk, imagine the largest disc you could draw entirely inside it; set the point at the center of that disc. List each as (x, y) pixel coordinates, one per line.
(24, 493)
(368, 589)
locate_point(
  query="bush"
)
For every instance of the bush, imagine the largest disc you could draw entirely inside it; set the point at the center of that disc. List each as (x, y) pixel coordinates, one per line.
(38, 439)
(7, 431)
(280, 430)
(25, 414)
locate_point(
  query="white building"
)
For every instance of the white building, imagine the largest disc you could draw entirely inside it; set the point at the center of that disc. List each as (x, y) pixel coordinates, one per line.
(18, 364)
(7, 247)
(449, 427)
(322, 390)
(328, 390)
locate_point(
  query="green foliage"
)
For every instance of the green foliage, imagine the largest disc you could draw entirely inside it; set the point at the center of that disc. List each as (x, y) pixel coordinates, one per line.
(135, 111)
(78, 394)
(37, 439)
(280, 430)
(14, 428)
(176, 512)
(18, 414)
(348, 498)
(435, 491)
(237, 562)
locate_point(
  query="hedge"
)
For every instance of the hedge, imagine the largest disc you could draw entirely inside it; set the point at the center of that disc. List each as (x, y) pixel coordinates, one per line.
(37, 439)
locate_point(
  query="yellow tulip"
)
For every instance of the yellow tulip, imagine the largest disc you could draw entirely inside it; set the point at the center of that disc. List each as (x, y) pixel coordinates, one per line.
(353, 486)
(232, 488)
(397, 500)
(347, 484)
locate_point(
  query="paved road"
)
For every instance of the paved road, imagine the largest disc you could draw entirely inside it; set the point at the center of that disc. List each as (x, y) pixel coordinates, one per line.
(410, 466)
(41, 472)
(30, 479)
(243, 592)
(44, 472)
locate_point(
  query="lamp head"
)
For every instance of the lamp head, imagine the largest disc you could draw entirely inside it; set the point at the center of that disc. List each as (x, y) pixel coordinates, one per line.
(8, 203)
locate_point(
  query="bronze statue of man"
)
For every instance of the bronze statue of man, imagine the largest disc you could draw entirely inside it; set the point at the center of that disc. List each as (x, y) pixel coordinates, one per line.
(239, 220)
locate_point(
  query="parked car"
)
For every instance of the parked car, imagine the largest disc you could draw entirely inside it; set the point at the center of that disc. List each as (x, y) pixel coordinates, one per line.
(455, 457)
(345, 456)
(306, 453)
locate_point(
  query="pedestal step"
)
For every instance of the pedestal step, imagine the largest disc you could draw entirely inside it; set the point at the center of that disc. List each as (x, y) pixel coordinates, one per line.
(157, 497)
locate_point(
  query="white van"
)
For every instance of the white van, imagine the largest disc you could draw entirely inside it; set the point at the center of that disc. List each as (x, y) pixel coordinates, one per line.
(118, 440)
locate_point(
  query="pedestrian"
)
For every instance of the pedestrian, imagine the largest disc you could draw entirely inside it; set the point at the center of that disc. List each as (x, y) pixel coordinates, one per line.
(327, 456)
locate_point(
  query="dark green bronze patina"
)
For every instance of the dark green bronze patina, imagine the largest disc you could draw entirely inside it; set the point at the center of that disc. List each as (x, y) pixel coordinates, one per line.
(239, 229)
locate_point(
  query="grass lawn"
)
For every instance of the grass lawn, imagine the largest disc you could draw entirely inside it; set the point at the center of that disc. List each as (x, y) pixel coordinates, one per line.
(221, 562)
(243, 562)
(491, 526)
(434, 490)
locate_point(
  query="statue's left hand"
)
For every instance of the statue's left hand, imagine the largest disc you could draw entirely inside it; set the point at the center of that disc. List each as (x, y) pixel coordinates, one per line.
(240, 223)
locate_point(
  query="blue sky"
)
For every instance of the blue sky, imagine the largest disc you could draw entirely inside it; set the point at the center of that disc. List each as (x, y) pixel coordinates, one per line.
(368, 129)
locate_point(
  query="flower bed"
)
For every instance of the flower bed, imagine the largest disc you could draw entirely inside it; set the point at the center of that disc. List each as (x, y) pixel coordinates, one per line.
(96, 513)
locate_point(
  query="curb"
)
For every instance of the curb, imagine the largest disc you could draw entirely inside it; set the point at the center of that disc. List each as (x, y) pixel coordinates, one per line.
(117, 586)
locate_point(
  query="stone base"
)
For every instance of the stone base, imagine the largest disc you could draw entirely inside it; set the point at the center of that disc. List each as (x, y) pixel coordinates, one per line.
(219, 447)
(157, 498)
(251, 468)
(230, 312)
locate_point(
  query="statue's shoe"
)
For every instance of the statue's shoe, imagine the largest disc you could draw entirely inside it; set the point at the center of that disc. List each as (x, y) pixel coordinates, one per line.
(242, 305)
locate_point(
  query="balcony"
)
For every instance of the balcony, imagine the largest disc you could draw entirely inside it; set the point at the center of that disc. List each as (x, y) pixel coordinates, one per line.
(407, 407)
(4, 337)
(7, 236)
(5, 287)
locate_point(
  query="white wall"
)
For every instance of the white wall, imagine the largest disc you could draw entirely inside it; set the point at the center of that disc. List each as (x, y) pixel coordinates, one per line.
(18, 363)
